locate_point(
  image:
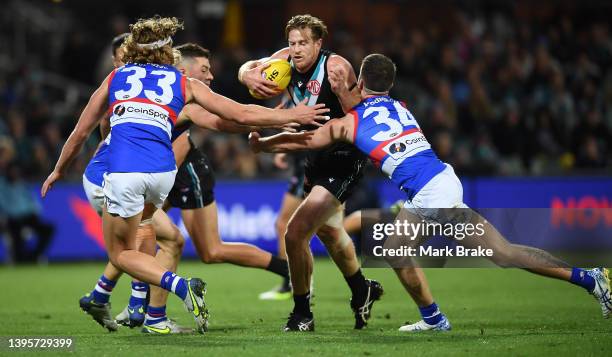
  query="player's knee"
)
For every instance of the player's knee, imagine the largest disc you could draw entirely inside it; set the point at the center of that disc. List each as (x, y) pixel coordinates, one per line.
(297, 232)
(173, 246)
(114, 261)
(179, 241)
(113, 256)
(281, 226)
(177, 244)
(330, 238)
(336, 240)
(327, 232)
(118, 260)
(212, 255)
(504, 258)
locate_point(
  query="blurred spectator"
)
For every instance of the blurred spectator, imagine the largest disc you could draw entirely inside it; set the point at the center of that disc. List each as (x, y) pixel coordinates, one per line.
(592, 140)
(22, 215)
(21, 140)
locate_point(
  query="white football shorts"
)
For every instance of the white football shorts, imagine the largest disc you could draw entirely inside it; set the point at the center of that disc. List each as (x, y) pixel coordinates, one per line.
(127, 192)
(95, 195)
(443, 191)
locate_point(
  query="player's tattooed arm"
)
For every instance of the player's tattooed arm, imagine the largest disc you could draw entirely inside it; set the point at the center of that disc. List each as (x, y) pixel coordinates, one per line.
(343, 82)
(335, 130)
(94, 110)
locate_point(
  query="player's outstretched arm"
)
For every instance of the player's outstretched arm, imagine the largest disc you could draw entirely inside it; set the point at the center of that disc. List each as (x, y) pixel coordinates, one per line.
(205, 119)
(335, 130)
(94, 110)
(252, 114)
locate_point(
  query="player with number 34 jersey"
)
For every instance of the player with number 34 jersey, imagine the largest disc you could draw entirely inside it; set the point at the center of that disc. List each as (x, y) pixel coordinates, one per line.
(387, 132)
(401, 151)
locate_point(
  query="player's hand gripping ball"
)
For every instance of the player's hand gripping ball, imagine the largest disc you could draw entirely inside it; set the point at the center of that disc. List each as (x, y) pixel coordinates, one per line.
(278, 72)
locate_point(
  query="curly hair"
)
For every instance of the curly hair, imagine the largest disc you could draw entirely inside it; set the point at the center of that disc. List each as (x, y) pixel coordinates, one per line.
(146, 31)
(177, 58)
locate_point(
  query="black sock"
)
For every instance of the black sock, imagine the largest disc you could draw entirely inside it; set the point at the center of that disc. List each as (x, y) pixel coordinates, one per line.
(279, 266)
(286, 284)
(357, 283)
(301, 304)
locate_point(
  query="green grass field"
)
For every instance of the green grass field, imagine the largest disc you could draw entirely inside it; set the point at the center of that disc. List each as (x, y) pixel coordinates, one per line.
(493, 311)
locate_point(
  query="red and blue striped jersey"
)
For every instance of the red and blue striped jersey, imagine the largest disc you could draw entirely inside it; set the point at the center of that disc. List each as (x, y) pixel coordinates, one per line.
(144, 103)
(386, 131)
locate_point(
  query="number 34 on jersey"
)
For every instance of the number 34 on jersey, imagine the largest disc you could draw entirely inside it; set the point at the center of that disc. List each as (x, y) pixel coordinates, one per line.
(387, 130)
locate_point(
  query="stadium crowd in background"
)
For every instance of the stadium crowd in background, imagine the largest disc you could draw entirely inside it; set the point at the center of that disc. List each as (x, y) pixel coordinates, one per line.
(499, 95)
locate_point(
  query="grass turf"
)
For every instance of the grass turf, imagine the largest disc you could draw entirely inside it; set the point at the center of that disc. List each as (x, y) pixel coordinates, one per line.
(493, 311)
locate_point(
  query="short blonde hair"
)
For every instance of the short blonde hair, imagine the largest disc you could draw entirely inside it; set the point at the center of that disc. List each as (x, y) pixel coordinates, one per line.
(150, 30)
(315, 24)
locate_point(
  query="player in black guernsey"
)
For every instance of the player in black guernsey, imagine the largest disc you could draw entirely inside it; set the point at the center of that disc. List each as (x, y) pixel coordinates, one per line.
(193, 187)
(330, 173)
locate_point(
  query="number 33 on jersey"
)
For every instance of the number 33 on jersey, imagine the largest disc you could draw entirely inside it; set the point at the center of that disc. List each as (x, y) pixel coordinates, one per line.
(144, 102)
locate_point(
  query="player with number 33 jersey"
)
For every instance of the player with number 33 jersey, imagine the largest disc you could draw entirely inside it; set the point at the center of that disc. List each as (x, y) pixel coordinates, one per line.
(144, 101)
